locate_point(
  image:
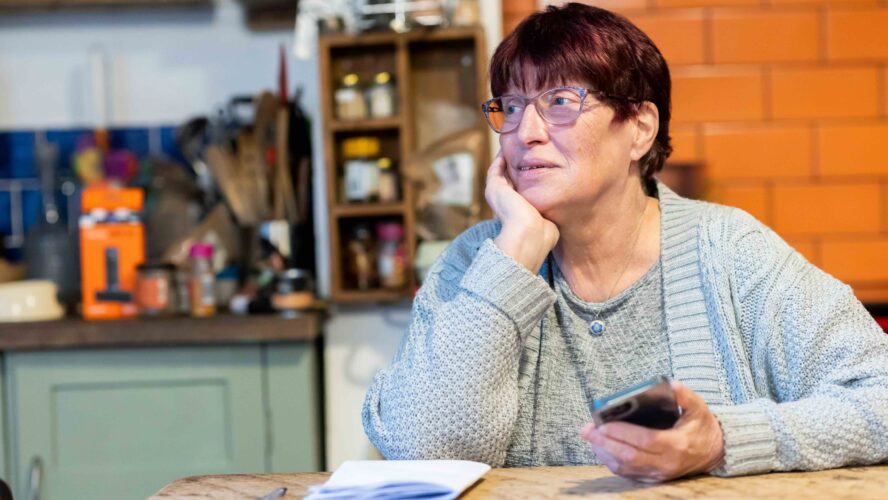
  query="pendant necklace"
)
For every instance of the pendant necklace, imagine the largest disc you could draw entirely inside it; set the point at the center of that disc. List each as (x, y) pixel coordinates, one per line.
(597, 326)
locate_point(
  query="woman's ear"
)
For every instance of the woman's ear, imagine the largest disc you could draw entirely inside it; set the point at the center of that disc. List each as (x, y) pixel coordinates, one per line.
(647, 124)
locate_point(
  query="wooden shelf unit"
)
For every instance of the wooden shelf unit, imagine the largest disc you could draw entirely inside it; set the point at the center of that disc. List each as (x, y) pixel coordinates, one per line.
(445, 67)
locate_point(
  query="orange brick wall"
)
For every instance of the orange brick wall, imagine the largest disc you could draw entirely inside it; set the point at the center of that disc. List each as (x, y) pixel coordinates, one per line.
(785, 104)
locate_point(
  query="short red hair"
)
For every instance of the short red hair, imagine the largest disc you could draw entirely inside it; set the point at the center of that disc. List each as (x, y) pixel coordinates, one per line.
(581, 43)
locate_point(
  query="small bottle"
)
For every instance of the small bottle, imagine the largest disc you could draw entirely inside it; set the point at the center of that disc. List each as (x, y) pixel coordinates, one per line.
(381, 96)
(349, 99)
(392, 260)
(388, 181)
(361, 271)
(202, 285)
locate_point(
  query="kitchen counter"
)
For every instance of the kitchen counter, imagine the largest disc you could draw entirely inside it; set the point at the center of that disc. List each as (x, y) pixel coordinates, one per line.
(75, 333)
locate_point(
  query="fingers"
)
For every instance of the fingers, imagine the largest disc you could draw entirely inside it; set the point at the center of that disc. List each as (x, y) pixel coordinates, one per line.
(689, 401)
(623, 451)
(621, 458)
(633, 435)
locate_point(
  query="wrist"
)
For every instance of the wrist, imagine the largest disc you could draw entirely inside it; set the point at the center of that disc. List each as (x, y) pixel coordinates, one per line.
(525, 245)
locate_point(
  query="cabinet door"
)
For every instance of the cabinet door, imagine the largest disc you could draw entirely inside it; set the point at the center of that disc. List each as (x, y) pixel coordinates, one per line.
(121, 424)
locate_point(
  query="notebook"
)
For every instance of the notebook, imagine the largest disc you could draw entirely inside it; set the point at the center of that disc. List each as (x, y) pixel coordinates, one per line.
(390, 479)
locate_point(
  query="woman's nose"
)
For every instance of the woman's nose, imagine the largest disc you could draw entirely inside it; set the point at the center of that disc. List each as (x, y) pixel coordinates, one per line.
(532, 128)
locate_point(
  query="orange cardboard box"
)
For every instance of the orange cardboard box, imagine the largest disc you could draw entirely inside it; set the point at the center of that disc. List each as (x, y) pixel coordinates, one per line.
(112, 245)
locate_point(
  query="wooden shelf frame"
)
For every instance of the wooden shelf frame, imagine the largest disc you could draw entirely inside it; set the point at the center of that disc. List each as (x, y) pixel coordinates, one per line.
(402, 124)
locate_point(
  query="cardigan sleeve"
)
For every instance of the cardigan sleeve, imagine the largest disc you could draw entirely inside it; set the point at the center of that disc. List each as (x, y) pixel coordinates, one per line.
(819, 362)
(452, 390)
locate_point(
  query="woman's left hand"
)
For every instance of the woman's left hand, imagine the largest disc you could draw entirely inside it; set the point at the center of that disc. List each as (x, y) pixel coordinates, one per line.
(694, 445)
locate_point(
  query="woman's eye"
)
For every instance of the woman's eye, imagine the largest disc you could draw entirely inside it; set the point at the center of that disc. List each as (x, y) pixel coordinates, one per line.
(513, 109)
(560, 100)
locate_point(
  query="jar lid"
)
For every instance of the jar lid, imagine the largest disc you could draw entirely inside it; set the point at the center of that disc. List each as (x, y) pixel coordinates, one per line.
(203, 250)
(383, 77)
(350, 79)
(389, 231)
(360, 147)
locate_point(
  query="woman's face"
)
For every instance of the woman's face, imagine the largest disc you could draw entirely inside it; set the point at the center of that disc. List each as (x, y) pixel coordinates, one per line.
(576, 164)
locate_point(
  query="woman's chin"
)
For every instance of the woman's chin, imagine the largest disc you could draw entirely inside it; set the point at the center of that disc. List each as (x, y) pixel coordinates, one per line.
(539, 199)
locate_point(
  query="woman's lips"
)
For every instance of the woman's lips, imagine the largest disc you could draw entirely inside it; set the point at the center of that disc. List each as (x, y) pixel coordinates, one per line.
(534, 166)
(531, 171)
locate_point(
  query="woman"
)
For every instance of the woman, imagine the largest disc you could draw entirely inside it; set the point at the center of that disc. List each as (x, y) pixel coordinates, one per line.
(594, 277)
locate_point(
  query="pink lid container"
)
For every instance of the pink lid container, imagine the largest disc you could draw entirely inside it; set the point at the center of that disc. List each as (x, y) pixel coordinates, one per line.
(389, 231)
(201, 250)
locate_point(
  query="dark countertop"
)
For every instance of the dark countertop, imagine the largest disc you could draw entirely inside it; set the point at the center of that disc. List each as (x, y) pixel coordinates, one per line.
(75, 333)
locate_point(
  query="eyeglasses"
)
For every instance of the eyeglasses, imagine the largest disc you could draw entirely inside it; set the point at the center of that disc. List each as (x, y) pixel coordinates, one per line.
(558, 106)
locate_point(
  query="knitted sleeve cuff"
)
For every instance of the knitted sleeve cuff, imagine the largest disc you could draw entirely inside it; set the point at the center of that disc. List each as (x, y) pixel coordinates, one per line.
(509, 286)
(750, 444)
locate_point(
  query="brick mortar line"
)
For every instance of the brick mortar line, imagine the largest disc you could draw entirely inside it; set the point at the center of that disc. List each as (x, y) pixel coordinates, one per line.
(815, 151)
(884, 214)
(883, 88)
(770, 203)
(708, 49)
(823, 28)
(767, 94)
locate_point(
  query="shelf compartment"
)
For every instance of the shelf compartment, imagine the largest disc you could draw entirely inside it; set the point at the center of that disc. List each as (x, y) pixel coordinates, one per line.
(366, 125)
(374, 295)
(368, 209)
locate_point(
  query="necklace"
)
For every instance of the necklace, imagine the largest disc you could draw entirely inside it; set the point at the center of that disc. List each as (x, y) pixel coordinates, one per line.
(597, 326)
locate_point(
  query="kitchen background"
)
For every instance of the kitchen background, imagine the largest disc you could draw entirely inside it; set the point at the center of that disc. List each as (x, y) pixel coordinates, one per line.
(780, 108)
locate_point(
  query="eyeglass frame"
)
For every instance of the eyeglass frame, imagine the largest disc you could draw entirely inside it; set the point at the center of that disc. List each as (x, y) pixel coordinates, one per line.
(583, 91)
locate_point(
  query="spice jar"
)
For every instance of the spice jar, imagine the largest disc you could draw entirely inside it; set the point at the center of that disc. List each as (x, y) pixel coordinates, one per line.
(361, 169)
(349, 99)
(388, 180)
(381, 96)
(202, 286)
(392, 260)
(360, 260)
(154, 289)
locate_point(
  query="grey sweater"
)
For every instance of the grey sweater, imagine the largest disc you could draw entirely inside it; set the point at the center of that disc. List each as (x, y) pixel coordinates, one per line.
(785, 356)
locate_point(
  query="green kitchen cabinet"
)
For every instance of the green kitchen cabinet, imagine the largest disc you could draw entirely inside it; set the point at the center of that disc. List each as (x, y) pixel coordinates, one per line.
(121, 423)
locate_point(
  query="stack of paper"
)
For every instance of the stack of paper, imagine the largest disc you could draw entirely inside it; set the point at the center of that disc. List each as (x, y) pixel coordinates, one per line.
(379, 479)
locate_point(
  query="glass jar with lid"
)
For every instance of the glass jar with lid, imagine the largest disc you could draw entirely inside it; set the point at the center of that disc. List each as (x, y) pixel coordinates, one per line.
(360, 164)
(349, 99)
(382, 96)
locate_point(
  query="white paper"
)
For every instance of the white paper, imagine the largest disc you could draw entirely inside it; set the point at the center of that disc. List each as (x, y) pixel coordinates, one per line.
(400, 479)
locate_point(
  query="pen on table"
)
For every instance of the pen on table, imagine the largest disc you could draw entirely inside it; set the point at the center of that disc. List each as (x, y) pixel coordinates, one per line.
(274, 494)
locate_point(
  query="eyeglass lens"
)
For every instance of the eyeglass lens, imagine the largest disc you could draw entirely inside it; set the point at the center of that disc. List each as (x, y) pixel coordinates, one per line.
(557, 106)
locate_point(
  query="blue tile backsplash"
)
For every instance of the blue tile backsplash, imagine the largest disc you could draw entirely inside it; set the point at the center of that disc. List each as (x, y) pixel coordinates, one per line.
(17, 162)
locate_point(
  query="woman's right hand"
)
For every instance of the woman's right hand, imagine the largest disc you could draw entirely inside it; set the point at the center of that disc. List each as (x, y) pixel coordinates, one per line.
(526, 236)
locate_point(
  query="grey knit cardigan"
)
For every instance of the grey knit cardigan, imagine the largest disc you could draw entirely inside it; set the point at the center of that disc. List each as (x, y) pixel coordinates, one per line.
(786, 357)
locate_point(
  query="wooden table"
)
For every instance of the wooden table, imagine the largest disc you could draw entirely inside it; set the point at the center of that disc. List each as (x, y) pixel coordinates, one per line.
(572, 482)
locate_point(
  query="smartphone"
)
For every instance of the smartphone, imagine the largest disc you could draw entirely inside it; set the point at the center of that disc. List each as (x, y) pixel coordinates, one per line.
(648, 404)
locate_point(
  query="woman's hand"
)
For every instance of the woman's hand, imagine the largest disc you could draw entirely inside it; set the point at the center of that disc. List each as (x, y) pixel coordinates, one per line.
(526, 236)
(694, 446)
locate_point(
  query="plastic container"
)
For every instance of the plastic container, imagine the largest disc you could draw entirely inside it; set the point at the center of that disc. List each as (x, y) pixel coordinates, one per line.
(202, 285)
(361, 168)
(154, 289)
(392, 259)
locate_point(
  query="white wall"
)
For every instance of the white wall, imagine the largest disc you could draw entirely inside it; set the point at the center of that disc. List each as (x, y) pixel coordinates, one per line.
(166, 66)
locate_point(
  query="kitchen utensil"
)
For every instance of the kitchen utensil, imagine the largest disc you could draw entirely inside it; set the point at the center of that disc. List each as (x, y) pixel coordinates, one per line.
(33, 300)
(225, 170)
(51, 252)
(285, 199)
